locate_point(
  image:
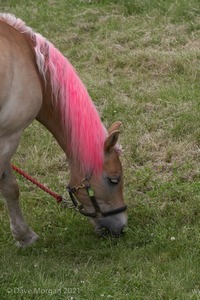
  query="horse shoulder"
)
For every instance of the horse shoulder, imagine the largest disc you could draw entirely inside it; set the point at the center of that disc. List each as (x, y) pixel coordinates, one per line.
(20, 83)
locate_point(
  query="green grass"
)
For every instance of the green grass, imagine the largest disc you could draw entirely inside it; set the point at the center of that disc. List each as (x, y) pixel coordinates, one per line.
(140, 63)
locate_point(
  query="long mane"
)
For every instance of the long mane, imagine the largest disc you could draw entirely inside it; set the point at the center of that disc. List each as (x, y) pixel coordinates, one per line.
(82, 126)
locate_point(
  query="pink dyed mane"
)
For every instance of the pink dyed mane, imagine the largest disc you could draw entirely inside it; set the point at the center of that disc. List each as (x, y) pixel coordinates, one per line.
(81, 122)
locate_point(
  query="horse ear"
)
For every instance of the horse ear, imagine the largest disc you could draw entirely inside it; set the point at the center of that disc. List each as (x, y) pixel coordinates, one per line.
(111, 140)
(114, 126)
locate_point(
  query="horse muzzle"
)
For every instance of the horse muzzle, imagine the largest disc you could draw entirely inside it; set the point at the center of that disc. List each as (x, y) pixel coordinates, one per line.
(113, 224)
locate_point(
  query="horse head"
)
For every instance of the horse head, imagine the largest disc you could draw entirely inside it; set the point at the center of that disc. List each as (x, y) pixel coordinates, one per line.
(101, 195)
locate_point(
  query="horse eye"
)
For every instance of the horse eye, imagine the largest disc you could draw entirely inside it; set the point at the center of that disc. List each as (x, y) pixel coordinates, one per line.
(114, 180)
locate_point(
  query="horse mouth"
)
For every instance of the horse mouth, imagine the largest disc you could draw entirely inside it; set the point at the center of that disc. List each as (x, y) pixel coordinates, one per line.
(108, 231)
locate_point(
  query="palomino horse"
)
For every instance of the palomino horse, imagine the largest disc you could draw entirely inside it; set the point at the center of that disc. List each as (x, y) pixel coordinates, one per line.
(38, 82)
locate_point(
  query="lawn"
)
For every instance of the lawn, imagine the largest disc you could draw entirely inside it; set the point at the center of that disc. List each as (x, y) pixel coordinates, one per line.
(140, 61)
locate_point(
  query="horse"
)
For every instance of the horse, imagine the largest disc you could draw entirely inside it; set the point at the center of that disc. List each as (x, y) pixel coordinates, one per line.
(38, 82)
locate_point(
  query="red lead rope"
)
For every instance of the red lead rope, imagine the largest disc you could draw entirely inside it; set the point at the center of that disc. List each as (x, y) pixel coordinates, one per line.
(41, 186)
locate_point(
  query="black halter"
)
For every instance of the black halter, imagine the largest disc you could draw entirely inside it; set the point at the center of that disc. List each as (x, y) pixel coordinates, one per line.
(98, 212)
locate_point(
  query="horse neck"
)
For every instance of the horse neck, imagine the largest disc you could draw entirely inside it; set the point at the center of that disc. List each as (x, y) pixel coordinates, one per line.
(71, 112)
(50, 118)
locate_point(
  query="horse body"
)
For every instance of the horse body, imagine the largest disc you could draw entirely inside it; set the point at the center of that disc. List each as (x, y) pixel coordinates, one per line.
(37, 82)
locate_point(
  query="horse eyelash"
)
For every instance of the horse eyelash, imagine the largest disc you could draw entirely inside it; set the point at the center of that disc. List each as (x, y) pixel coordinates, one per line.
(113, 180)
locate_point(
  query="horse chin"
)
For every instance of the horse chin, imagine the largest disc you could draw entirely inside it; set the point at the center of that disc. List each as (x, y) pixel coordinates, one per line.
(110, 226)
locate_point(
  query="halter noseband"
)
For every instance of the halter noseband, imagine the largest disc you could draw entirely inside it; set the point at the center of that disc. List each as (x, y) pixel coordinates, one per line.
(98, 212)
